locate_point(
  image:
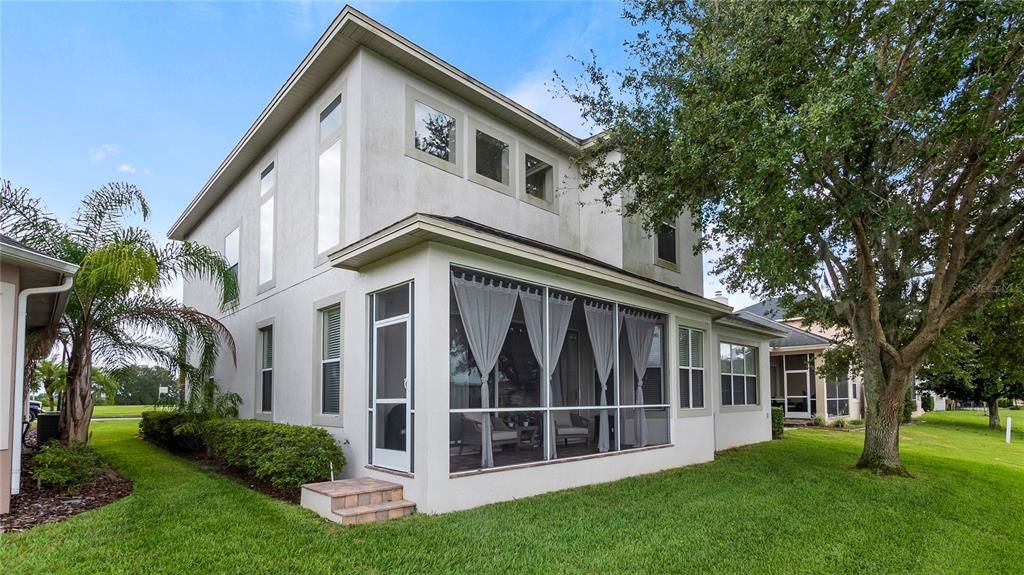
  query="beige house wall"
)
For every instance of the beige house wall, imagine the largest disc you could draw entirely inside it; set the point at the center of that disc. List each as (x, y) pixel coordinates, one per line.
(8, 328)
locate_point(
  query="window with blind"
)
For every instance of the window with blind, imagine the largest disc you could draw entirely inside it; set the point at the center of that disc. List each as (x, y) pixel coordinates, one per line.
(739, 374)
(691, 368)
(330, 360)
(266, 369)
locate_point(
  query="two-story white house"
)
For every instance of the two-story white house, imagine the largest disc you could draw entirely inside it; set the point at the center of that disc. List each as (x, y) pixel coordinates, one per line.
(422, 275)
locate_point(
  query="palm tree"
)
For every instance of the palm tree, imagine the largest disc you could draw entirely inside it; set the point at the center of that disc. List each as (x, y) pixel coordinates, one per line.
(51, 378)
(116, 314)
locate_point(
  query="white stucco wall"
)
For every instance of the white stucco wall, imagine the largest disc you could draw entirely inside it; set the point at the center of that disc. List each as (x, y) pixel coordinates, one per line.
(742, 425)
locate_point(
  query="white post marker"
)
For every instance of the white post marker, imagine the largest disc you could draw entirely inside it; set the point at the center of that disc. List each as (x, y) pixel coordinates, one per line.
(1009, 422)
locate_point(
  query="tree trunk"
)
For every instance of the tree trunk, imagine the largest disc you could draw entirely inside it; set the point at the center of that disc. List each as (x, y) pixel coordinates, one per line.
(78, 403)
(885, 386)
(993, 414)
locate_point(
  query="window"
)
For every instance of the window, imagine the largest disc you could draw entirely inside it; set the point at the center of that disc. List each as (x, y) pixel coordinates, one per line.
(739, 374)
(539, 176)
(266, 368)
(837, 399)
(853, 387)
(595, 386)
(691, 368)
(266, 243)
(667, 244)
(329, 178)
(492, 158)
(232, 247)
(330, 360)
(434, 132)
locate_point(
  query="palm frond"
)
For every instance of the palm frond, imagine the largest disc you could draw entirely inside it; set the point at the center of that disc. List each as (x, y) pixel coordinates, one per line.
(117, 267)
(24, 218)
(102, 213)
(190, 260)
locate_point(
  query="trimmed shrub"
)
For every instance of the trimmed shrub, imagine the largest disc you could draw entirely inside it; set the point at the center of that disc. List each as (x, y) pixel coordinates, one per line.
(856, 422)
(66, 467)
(839, 423)
(819, 421)
(778, 418)
(286, 456)
(909, 405)
(928, 402)
(1003, 402)
(161, 427)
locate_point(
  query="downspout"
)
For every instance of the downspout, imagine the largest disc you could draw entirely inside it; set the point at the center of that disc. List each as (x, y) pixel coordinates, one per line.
(19, 374)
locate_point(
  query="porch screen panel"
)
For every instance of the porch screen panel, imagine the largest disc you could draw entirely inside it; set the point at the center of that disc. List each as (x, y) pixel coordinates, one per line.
(601, 327)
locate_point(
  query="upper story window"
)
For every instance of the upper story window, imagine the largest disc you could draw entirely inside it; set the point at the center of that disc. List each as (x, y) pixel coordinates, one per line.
(268, 185)
(739, 374)
(432, 131)
(538, 175)
(232, 249)
(691, 368)
(435, 132)
(667, 244)
(491, 153)
(329, 178)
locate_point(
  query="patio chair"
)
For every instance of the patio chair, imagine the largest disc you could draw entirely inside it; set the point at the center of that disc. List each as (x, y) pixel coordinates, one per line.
(571, 426)
(472, 432)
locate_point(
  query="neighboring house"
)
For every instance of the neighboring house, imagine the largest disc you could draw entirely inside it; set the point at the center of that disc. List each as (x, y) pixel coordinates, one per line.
(422, 275)
(797, 384)
(33, 292)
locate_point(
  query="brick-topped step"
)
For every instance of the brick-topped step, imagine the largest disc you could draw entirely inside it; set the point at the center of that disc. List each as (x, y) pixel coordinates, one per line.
(359, 500)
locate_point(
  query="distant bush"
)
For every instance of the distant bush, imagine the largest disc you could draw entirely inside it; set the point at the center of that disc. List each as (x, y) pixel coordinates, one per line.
(159, 427)
(819, 421)
(928, 402)
(778, 419)
(855, 422)
(286, 456)
(909, 405)
(839, 423)
(1003, 402)
(66, 467)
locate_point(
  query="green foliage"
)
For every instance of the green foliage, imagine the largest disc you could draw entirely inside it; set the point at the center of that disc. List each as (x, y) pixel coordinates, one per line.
(116, 315)
(286, 456)
(856, 422)
(51, 378)
(909, 405)
(818, 420)
(839, 423)
(159, 427)
(140, 384)
(927, 402)
(66, 467)
(778, 419)
(863, 155)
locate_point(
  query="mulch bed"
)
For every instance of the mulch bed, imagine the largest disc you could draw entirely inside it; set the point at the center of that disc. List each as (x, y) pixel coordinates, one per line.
(35, 505)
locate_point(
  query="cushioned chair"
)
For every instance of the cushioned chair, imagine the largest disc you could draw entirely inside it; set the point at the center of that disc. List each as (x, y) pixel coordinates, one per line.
(472, 432)
(570, 426)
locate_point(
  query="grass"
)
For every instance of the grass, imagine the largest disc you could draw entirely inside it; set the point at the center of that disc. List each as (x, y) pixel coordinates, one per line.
(121, 410)
(789, 506)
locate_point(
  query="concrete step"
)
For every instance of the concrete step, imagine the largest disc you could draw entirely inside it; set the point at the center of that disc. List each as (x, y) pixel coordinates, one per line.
(359, 500)
(376, 512)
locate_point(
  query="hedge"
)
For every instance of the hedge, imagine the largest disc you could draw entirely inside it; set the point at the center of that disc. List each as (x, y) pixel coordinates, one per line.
(286, 456)
(66, 467)
(778, 418)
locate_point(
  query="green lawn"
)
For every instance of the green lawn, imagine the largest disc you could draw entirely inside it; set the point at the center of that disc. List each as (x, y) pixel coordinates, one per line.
(790, 506)
(121, 410)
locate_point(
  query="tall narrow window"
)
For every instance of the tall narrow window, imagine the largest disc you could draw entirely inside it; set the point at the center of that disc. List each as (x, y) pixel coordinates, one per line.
(739, 374)
(330, 360)
(667, 244)
(329, 178)
(266, 369)
(691, 368)
(268, 184)
(232, 247)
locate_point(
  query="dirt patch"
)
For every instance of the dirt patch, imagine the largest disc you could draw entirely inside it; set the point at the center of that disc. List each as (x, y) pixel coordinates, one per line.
(35, 505)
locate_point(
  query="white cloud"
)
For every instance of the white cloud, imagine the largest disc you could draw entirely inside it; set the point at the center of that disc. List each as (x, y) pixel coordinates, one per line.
(536, 93)
(127, 169)
(102, 152)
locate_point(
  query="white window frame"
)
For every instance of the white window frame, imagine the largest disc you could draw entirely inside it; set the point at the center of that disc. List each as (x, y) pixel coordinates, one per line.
(325, 142)
(508, 189)
(549, 204)
(269, 196)
(680, 328)
(667, 264)
(257, 404)
(412, 95)
(747, 404)
(319, 417)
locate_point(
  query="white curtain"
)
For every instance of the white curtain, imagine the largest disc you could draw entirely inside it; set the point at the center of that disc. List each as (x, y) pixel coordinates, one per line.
(486, 308)
(640, 334)
(559, 310)
(601, 327)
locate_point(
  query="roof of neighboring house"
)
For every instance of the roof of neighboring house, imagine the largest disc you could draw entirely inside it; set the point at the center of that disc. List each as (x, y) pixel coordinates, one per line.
(794, 337)
(15, 252)
(350, 30)
(770, 308)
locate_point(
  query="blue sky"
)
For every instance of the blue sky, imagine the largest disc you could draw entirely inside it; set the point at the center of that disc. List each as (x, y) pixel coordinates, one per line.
(157, 93)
